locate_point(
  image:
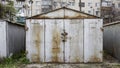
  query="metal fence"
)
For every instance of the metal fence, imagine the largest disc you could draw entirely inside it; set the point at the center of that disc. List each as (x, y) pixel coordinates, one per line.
(112, 39)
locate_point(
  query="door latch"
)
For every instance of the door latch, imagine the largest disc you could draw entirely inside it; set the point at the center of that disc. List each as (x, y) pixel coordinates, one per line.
(64, 36)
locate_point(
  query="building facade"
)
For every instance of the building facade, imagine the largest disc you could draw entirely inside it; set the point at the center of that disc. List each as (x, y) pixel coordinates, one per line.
(73, 4)
(34, 7)
(91, 7)
(116, 10)
(110, 10)
(18, 4)
(106, 11)
(106, 3)
(87, 6)
(41, 6)
(116, 3)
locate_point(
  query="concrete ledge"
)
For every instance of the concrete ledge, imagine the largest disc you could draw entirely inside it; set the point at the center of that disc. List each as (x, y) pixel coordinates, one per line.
(102, 65)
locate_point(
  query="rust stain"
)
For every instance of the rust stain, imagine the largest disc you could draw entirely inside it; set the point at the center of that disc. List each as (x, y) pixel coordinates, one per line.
(36, 37)
(101, 52)
(78, 16)
(65, 17)
(42, 17)
(56, 44)
(95, 59)
(35, 58)
(77, 59)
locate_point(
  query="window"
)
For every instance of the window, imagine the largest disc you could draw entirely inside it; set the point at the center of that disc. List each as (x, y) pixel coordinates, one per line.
(63, 4)
(55, 3)
(82, 4)
(47, 2)
(97, 4)
(20, 0)
(119, 5)
(37, 2)
(45, 9)
(29, 12)
(97, 12)
(37, 11)
(89, 4)
(89, 11)
(71, 3)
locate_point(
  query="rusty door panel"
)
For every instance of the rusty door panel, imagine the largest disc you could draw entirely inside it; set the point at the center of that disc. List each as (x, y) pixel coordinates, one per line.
(53, 43)
(74, 43)
(93, 40)
(36, 41)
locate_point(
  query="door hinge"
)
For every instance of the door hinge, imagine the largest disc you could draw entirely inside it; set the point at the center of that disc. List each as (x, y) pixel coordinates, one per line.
(26, 28)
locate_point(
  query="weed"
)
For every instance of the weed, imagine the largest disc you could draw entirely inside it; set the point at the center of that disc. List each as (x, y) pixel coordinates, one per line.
(14, 61)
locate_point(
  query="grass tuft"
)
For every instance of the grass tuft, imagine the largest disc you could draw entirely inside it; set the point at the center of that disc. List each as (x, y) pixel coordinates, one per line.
(14, 61)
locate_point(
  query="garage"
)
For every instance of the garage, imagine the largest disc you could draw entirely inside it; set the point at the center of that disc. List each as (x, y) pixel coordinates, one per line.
(64, 35)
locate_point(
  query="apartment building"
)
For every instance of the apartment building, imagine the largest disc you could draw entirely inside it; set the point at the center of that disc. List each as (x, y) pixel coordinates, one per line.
(116, 9)
(32, 8)
(116, 3)
(110, 10)
(106, 11)
(91, 7)
(87, 6)
(41, 6)
(73, 4)
(19, 6)
(106, 3)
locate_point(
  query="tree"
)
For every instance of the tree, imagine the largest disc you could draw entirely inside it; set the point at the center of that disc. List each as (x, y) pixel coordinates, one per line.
(115, 13)
(2, 11)
(7, 11)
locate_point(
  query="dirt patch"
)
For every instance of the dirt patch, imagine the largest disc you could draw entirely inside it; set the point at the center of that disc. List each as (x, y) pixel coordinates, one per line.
(109, 59)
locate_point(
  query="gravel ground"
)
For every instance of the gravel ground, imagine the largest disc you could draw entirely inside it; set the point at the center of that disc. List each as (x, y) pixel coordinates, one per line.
(109, 62)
